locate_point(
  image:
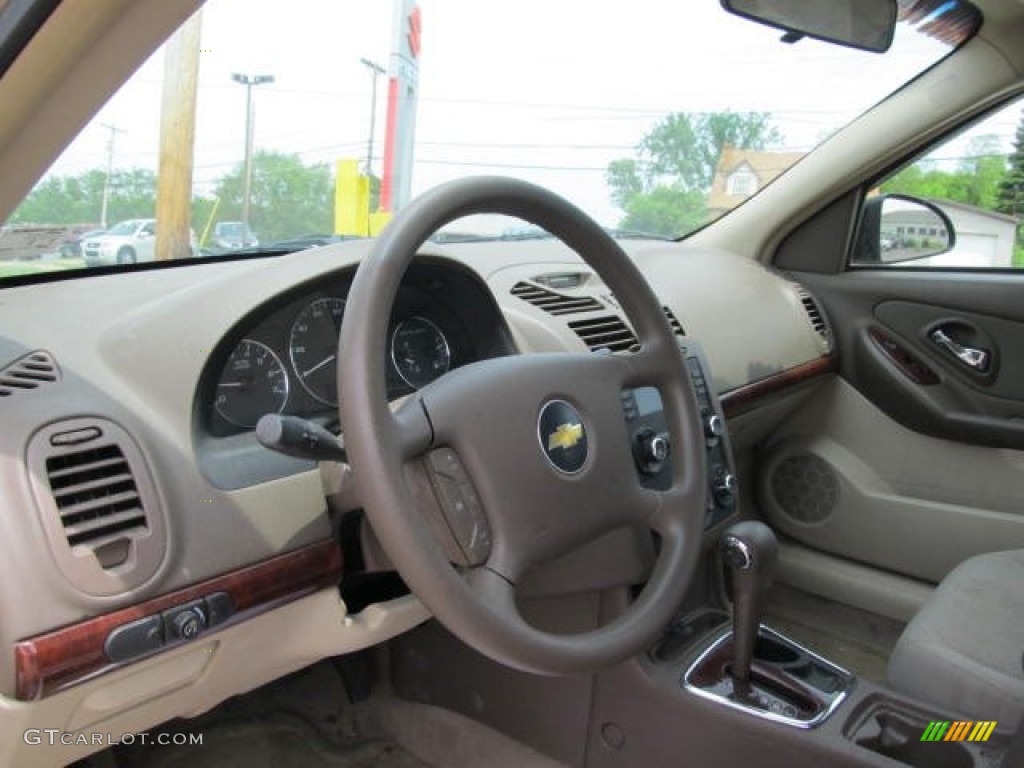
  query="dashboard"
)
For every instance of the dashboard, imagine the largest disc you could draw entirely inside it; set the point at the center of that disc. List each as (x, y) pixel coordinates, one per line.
(147, 418)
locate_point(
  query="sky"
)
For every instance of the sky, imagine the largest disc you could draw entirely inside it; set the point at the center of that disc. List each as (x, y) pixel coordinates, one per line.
(547, 91)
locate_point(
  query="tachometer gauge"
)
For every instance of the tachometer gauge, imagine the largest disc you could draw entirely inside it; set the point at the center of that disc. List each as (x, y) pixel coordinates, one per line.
(420, 351)
(313, 348)
(253, 383)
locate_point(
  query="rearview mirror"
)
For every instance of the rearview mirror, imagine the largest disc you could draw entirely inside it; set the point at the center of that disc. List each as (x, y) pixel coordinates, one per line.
(865, 24)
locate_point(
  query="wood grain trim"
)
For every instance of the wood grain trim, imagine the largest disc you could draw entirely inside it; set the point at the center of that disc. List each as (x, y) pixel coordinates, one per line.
(740, 399)
(50, 662)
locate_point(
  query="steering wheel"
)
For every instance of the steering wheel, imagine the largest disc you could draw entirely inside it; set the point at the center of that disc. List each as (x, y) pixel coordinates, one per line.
(541, 438)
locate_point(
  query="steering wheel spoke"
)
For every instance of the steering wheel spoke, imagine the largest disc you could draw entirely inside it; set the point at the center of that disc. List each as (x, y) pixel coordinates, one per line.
(414, 433)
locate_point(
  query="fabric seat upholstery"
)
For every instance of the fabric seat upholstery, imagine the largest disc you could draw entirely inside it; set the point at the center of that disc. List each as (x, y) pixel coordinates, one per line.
(964, 650)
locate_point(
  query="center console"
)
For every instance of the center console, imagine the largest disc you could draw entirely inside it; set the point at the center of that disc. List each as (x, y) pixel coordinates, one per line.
(645, 418)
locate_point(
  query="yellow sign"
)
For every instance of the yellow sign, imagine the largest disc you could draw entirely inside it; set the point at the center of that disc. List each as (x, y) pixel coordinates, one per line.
(351, 200)
(352, 214)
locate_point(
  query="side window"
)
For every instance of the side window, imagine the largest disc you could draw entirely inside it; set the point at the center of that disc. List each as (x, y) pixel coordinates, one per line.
(961, 206)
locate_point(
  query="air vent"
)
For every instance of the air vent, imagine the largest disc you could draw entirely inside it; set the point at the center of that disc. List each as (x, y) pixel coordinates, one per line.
(29, 372)
(97, 504)
(611, 332)
(554, 303)
(95, 494)
(815, 315)
(607, 332)
(673, 321)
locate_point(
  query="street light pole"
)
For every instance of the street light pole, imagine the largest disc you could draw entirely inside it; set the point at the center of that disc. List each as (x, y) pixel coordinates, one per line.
(375, 71)
(114, 130)
(248, 81)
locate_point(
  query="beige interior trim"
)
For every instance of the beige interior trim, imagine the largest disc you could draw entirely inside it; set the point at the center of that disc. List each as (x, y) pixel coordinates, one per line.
(194, 677)
(905, 502)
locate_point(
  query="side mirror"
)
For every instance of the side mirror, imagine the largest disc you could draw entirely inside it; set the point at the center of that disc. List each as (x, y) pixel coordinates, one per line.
(898, 228)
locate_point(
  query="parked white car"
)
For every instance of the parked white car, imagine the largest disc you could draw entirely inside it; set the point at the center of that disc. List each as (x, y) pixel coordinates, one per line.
(127, 242)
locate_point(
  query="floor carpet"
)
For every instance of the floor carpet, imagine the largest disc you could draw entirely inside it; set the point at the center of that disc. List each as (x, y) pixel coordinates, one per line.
(857, 640)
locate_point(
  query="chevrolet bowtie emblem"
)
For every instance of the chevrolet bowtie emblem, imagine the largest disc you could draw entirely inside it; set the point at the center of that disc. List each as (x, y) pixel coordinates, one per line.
(565, 436)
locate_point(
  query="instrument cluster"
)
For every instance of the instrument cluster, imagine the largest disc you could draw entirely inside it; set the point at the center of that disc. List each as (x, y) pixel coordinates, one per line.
(286, 361)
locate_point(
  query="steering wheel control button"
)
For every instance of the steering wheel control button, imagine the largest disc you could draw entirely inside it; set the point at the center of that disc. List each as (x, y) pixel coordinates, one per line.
(463, 513)
(185, 622)
(129, 641)
(563, 437)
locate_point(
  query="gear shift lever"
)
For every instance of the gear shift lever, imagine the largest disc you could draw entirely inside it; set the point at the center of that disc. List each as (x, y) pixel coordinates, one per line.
(750, 550)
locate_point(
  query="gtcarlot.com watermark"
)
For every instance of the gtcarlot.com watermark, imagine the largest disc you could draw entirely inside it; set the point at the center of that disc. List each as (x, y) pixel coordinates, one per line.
(54, 736)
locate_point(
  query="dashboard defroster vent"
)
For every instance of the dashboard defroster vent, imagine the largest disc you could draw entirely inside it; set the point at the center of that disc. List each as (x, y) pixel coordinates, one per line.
(29, 372)
(611, 332)
(98, 504)
(554, 303)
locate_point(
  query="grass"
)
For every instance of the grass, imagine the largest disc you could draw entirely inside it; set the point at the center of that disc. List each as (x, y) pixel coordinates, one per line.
(1018, 256)
(15, 268)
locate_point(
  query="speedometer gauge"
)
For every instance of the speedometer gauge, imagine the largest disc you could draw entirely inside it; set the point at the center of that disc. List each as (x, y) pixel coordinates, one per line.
(420, 351)
(252, 383)
(313, 348)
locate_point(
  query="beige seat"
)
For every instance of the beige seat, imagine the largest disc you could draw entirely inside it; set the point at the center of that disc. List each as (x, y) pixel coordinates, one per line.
(965, 649)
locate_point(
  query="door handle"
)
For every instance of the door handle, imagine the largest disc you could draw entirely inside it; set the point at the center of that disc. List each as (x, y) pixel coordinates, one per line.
(975, 359)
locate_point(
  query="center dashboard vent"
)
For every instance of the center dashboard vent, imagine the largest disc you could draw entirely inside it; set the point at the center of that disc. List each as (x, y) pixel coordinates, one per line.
(97, 503)
(554, 303)
(29, 372)
(611, 332)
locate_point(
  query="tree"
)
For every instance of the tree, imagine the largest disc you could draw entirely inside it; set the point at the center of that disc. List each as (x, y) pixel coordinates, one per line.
(1010, 196)
(666, 211)
(71, 200)
(289, 198)
(663, 189)
(976, 181)
(984, 169)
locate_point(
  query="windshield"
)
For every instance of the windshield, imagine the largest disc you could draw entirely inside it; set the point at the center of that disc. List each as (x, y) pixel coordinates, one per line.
(316, 124)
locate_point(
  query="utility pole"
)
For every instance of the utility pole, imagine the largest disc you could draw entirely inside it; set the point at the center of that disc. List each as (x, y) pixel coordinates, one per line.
(114, 130)
(376, 70)
(177, 142)
(248, 81)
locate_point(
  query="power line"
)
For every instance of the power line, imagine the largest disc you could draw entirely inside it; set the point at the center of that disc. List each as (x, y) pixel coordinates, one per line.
(514, 166)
